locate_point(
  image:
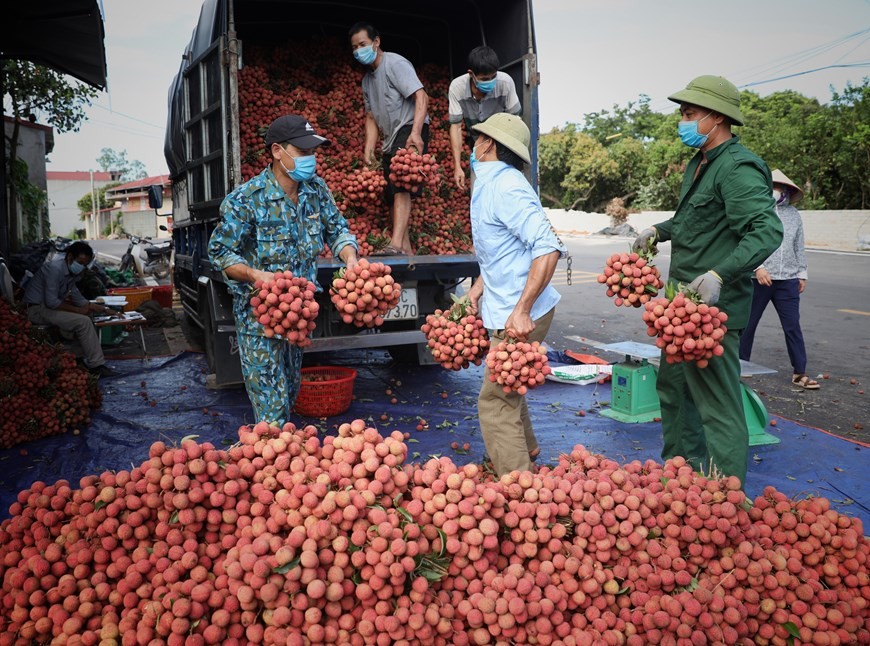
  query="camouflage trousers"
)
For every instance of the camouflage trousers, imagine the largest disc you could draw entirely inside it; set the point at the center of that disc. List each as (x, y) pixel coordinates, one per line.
(272, 369)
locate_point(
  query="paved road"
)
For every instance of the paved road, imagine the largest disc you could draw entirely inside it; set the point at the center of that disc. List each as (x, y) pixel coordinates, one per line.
(835, 311)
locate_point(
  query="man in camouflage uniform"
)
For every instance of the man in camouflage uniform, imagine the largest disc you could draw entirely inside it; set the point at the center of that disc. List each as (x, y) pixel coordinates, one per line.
(276, 221)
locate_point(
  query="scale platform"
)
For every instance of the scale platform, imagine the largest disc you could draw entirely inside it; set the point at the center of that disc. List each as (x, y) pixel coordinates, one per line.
(635, 399)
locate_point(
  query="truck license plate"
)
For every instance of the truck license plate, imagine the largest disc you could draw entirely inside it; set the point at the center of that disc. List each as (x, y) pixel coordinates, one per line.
(407, 307)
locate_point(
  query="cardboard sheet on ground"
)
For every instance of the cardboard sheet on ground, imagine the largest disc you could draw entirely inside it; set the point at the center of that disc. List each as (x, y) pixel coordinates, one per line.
(806, 462)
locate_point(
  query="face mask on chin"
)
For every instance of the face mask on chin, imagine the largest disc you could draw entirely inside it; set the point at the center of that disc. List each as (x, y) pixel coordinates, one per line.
(474, 161)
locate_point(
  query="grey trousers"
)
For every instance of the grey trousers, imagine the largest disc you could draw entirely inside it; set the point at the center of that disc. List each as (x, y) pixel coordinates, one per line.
(78, 324)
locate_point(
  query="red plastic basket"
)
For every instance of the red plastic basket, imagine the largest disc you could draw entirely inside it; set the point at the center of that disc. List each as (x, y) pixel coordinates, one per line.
(325, 391)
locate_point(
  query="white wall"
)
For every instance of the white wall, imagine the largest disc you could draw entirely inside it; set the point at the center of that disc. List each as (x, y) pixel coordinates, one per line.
(835, 230)
(62, 198)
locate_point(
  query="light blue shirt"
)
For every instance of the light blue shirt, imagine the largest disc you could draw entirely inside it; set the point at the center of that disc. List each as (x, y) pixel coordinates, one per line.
(510, 230)
(53, 284)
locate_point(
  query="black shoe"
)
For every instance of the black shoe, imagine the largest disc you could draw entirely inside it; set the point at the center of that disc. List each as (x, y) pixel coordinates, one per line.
(104, 371)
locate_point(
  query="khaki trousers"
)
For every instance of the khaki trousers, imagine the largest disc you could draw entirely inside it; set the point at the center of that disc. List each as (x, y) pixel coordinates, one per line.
(78, 324)
(504, 417)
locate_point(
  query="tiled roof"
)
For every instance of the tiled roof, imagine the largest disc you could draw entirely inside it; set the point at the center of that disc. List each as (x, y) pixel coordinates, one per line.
(78, 176)
(158, 180)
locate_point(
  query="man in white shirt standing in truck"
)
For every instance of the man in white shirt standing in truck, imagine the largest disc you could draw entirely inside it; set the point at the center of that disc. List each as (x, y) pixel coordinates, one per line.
(474, 97)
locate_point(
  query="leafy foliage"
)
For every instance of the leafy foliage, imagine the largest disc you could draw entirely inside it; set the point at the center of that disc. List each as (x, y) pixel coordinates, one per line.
(86, 202)
(128, 170)
(49, 96)
(635, 154)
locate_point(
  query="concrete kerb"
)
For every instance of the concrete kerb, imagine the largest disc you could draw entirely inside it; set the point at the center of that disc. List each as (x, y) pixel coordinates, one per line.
(823, 230)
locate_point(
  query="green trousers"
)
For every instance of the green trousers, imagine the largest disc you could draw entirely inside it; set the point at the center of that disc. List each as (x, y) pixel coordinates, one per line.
(702, 412)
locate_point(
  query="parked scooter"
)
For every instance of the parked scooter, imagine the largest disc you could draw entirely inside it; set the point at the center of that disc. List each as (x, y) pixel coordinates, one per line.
(148, 257)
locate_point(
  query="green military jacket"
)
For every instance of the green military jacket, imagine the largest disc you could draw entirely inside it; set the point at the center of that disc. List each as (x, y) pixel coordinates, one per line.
(725, 221)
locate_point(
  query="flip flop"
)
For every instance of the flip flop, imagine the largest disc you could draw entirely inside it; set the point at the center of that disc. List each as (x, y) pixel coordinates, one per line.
(390, 250)
(804, 381)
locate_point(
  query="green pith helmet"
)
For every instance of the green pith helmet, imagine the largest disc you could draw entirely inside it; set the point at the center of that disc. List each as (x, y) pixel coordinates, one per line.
(508, 130)
(714, 93)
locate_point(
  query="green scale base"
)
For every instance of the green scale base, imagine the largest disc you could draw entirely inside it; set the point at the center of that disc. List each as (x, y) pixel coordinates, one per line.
(756, 418)
(634, 399)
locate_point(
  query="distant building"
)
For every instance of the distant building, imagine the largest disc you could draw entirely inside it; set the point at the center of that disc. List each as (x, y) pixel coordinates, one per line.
(137, 217)
(35, 141)
(65, 189)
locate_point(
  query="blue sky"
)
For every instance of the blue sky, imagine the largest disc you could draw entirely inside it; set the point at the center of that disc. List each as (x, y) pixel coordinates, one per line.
(592, 54)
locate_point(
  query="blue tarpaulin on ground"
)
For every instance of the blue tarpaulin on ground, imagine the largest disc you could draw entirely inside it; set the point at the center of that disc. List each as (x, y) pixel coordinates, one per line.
(166, 399)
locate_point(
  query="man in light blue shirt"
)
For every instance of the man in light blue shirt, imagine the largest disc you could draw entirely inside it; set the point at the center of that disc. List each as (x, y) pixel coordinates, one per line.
(517, 251)
(52, 298)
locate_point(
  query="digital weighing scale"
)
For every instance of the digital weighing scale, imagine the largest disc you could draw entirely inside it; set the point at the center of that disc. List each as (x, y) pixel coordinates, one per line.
(634, 398)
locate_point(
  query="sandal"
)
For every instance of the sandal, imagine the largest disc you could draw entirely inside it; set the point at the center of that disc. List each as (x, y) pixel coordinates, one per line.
(390, 250)
(805, 382)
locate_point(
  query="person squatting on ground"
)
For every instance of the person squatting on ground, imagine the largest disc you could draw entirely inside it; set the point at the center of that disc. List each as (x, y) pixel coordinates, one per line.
(474, 97)
(517, 250)
(396, 105)
(781, 279)
(723, 227)
(52, 298)
(277, 220)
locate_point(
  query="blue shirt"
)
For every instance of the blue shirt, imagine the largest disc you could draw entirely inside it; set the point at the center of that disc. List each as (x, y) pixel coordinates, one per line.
(53, 284)
(261, 227)
(510, 230)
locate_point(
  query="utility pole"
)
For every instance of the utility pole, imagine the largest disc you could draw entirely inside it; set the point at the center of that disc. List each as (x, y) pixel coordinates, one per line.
(93, 207)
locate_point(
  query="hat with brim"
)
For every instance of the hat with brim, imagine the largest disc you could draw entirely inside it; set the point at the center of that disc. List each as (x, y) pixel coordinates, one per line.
(714, 93)
(294, 129)
(796, 194)
(510, 131)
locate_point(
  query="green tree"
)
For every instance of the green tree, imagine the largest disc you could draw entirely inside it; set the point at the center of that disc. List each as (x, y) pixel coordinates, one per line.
(86, 202)
(34, 92)
(635, 121)
(589, 168)
(117, 162)
(554, 150)
(849, 178)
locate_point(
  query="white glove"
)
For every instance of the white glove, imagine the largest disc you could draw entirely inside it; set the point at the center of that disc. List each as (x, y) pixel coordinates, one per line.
(707, 286)
(646, 237)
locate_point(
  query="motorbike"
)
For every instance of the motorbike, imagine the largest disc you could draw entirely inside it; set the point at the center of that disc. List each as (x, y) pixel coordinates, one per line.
(147, 256)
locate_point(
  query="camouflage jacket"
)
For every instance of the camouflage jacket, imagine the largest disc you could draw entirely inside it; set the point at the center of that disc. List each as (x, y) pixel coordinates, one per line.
(262, 228)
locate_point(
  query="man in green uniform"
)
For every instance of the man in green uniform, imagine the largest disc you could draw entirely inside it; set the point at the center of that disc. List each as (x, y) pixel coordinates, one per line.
(725, 225)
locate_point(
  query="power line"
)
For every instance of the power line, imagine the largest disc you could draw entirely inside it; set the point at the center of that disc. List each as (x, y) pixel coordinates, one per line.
(818, 69)
(798, 57)
(127, 116)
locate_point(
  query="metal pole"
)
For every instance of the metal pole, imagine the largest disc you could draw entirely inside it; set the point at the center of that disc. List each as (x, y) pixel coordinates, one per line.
(93, 207)
(5, 238)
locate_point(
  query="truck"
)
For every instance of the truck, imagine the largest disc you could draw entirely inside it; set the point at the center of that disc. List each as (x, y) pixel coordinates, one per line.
(204, 152)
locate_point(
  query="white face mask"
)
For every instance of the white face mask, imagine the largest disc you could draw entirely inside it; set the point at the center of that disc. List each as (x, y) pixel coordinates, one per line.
(780, 197)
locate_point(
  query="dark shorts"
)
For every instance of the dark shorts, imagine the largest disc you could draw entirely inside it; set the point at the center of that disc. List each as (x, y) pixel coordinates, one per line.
(387, 156)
